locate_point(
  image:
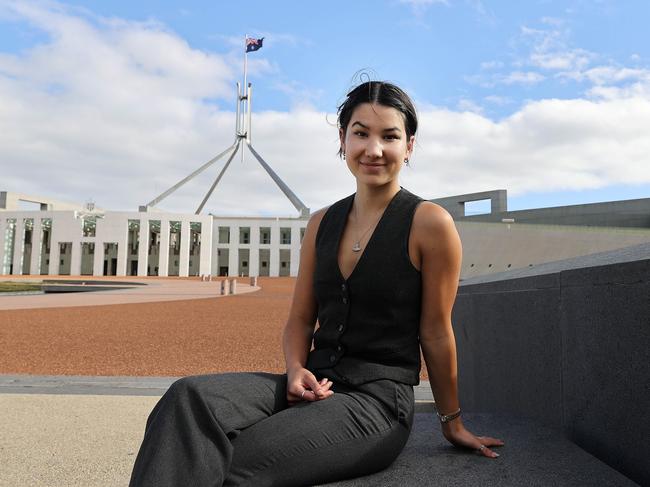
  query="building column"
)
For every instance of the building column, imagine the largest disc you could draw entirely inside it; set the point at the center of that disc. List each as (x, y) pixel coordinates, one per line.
(295, 251)
(37, 245)
(233, 252)
(123, 249)
(19, 246)
(75, 259)
(55, 255)
(163, 254)
(274, 264)
(143, 247)
(184, 257)
(254, 252)
(3, 236)
(98, 258)
(205, 265)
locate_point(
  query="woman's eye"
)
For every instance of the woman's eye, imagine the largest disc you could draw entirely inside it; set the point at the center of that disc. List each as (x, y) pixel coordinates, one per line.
(391, 137)
(360, 134)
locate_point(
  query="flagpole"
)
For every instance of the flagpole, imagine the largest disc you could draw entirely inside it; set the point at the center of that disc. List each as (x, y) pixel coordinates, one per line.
(245, 62)
(244, 92)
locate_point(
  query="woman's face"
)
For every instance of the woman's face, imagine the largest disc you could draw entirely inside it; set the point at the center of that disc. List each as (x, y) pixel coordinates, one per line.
(375, 144)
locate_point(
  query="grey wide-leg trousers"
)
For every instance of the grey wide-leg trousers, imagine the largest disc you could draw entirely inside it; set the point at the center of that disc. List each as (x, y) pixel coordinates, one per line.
(237, 429)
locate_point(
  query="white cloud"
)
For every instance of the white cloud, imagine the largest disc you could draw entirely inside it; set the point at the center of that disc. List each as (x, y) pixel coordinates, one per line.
(522, 77)
(498, 100)
(118, 112)
(547, 145)
(466, 105)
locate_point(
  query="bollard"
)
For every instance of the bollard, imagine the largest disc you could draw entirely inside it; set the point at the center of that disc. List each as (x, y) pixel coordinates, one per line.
(253, 280)
(224, 287)
(233, 286)
(209, 277)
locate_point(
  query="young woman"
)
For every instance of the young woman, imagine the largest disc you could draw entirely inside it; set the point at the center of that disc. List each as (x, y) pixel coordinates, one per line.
(379, 271)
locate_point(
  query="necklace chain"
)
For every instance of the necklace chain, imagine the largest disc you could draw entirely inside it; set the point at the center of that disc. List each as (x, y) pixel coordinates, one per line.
(357, 245)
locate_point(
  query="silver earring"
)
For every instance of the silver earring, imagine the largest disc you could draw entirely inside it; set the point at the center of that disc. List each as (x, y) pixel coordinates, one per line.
(406, 161)
(344, 156)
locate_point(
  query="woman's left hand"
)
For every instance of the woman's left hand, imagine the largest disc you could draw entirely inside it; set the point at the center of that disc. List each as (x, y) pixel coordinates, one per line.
(457, 435)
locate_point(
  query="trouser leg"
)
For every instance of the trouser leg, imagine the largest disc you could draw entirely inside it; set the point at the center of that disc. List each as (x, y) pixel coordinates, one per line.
(350, 434)
(189, 434)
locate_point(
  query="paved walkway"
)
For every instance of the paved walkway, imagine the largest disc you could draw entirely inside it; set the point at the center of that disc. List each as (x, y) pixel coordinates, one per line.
(153, 290)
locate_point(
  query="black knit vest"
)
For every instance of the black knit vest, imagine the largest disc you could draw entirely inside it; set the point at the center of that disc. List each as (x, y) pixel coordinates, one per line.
(368, 324)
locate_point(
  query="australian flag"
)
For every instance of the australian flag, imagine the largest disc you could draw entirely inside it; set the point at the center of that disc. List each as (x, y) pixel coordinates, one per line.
(253, 44)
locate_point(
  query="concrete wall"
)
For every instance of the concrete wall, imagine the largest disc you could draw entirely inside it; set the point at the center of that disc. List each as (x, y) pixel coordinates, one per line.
(569, 349)
(628, 213)
(489, 248)
(455, 205)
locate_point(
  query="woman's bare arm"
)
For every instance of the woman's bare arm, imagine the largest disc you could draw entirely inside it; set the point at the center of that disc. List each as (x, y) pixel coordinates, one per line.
(298, 331)
(440, 255)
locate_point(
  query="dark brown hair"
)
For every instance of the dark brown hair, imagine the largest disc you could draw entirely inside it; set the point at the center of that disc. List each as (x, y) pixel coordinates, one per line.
(381, 93)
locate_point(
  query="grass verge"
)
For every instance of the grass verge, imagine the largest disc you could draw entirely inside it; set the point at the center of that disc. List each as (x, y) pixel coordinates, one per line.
(15, 287)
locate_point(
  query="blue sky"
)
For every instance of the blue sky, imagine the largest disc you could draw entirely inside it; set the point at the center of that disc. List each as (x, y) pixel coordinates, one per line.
(548, 99)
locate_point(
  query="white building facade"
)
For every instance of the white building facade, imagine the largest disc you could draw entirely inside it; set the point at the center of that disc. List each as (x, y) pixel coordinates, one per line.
(80, 242)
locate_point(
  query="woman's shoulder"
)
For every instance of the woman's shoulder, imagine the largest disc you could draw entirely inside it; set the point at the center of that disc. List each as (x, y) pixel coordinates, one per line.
(432, 215)
(432, 222)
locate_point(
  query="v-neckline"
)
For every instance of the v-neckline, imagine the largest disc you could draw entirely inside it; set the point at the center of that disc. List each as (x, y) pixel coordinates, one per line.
(370, 240)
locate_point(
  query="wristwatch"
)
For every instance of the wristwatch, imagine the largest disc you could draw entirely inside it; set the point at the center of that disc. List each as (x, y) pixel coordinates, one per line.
(445, 418)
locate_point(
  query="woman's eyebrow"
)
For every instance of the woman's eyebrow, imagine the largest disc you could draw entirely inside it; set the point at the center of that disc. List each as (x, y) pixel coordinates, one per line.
(390, 129)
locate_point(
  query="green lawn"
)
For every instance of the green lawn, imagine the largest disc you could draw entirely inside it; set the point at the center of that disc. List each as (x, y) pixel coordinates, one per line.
(13, 287)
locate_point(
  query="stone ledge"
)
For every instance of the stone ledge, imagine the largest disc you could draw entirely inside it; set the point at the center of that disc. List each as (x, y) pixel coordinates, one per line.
(533, 456)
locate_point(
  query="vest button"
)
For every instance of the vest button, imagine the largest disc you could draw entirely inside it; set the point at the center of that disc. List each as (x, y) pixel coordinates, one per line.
(345, 300)
(332, 358)
(342, 287)
(339, 348)
(340, 328)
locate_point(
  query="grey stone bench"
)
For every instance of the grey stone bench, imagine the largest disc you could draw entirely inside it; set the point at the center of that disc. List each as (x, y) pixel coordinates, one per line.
(533, 456)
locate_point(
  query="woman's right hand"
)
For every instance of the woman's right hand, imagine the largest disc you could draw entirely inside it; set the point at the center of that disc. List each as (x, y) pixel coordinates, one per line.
(303, 386)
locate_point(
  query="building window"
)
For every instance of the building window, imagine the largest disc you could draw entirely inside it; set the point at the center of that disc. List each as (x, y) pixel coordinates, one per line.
(244, 235)
(265, 235)
(224, 235)
(285, 236)
(244, 263)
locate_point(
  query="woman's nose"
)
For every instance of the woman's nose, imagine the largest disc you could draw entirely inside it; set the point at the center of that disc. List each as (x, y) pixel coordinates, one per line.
(373, 148)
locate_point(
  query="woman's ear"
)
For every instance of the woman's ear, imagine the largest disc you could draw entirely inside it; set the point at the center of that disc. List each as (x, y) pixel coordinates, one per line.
(342, 140)
(409, 147)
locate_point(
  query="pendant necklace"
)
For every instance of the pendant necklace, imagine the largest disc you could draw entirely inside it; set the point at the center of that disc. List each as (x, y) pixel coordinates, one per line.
(357, 245)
